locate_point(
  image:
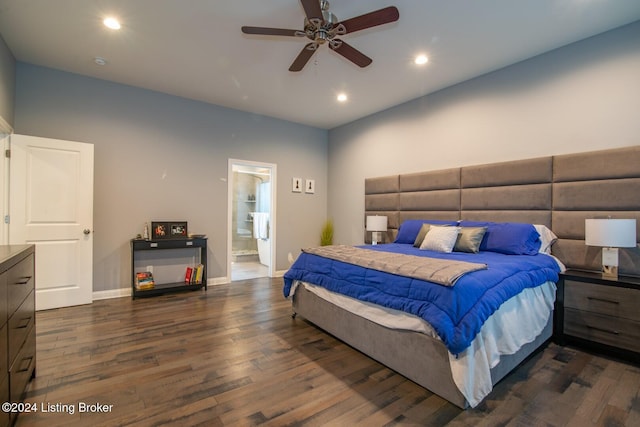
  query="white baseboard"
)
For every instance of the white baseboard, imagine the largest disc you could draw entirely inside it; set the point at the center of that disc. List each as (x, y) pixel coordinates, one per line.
(112, 293)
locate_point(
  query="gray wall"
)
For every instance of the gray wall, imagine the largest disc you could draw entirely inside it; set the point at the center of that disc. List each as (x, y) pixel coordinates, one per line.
(156, 154)
(582, 97)
(160, 157)
(7, 83)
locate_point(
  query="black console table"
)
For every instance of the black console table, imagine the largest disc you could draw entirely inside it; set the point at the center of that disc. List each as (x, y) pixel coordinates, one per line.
(139, 245)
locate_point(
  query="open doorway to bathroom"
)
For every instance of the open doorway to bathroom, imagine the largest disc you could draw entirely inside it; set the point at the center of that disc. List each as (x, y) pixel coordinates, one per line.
(251, 240)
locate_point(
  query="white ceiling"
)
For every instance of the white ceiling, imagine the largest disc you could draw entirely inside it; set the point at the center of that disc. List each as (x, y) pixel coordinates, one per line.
(195, 49)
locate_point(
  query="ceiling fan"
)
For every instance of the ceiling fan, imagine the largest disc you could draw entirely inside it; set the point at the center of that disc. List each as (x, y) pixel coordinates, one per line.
(322, 26)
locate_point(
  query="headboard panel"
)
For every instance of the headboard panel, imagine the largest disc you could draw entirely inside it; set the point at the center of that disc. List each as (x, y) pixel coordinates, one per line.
(383, 195)
(598, 184)
(557, 191)
(518, 191)
(530, 171)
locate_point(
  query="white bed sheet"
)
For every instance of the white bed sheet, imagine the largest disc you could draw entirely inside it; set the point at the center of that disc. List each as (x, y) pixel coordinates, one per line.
(516, 323)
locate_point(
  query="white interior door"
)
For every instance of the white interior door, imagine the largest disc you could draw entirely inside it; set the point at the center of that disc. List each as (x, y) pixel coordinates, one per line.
(51, 206)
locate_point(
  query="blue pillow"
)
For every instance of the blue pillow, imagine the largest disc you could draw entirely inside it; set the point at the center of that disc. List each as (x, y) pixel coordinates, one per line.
(410, 228)
(511, 238)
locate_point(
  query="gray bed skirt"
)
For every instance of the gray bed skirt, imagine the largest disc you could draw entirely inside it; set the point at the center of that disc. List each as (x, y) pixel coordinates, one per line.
(420, 358)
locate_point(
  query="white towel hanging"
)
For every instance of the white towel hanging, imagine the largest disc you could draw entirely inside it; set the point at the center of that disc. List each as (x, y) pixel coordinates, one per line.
(261, 225)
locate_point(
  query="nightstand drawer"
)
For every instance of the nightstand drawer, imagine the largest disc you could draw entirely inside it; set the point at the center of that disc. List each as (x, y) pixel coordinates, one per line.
(616, 332)
(607, 300)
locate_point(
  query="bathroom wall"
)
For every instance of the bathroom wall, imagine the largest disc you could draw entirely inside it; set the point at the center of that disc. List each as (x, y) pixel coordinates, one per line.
(247, 198)
(244, 203)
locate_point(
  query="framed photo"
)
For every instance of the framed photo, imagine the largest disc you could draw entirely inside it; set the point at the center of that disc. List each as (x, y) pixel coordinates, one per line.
(296, 185)
(159, 230)
(178, 230)
(162, 230)
(310, 186)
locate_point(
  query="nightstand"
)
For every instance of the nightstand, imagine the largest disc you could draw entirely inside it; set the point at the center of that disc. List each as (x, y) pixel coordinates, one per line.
(599, 314)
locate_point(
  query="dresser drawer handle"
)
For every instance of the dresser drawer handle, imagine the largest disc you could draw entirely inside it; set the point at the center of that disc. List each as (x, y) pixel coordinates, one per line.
(603, 300)
(23, 280)
(595, 328)
(24, 368)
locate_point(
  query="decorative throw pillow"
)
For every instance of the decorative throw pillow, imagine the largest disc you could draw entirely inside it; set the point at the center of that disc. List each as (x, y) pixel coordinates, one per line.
(469, 239)
(511, 238)
(410, 228)
(423, 232)
(440, 239)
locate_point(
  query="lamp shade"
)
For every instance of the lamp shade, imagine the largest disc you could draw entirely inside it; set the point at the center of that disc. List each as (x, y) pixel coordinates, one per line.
(377, 223)
(610, 233)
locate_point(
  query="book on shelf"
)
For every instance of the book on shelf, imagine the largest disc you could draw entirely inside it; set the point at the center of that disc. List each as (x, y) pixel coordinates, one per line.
(193, 275)
(144, 281)
(199, 272)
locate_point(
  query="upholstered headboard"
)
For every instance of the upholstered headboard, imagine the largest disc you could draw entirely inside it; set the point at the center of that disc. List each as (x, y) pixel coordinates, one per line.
(557, 191)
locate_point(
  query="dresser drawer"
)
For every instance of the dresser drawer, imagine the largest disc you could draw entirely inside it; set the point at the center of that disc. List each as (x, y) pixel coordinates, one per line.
(20, 282)
(19, 325)
(4, 361)
(22, 367)
(607, 300)
(4, 397)
(4, 306)
(616, 332)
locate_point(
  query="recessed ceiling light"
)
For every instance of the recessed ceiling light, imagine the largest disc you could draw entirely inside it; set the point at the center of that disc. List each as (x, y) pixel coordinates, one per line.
(112, 23)
(342, 97)
(421, 59)
(100, 61)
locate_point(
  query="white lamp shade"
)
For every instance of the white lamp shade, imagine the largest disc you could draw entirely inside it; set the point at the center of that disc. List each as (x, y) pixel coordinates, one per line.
(377, 223)
(610, 233)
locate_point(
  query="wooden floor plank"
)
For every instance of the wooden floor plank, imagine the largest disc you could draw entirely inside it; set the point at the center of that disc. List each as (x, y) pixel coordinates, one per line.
(233, 356)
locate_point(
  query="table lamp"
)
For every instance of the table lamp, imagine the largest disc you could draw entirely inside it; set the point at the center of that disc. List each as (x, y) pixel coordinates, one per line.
(610, 234)
(376, 224)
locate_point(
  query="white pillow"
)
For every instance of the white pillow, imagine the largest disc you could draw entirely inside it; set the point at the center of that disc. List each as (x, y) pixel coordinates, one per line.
(547, 238)
(440, 239)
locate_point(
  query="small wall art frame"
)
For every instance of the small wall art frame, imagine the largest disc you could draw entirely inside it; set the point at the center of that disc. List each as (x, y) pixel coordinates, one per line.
(162, 230)
(310, 186)
(296, 185)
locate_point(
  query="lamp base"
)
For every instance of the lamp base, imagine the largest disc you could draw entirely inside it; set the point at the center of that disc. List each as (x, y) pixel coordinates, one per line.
(610, 263)
(375, 237)
(609, 272)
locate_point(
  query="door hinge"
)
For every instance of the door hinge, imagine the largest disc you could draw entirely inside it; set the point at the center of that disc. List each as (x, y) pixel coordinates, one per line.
(7, 153)
(6, 219)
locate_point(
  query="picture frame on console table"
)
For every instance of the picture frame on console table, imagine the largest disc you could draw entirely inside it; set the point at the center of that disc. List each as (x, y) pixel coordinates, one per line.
(159, 230)
(178, 230)
(164, 230)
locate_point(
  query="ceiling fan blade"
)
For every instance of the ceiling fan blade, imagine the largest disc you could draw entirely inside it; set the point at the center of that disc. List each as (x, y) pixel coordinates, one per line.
(269, 31)
(351, 53)
(372, 19)
(303, 57)
(312, 9)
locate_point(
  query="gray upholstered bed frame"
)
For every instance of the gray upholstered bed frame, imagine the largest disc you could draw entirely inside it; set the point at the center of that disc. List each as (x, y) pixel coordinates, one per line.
(557, 191)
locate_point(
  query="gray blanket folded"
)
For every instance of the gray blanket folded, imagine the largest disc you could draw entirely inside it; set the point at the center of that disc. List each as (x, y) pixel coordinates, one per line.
(442, 271)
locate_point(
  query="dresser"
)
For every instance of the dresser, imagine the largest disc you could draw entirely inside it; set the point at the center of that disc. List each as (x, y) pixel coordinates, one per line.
(599, 314)
(17, 324)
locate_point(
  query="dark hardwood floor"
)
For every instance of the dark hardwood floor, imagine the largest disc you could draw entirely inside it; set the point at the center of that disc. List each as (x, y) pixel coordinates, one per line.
(234, 356)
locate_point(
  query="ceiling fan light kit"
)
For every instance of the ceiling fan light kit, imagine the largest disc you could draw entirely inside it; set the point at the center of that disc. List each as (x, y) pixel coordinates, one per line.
(321, 26)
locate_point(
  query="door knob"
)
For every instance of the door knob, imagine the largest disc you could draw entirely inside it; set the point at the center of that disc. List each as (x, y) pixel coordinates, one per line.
(86, 231)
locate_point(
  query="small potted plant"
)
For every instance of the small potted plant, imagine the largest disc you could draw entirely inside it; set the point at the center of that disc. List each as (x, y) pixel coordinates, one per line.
(326, 237)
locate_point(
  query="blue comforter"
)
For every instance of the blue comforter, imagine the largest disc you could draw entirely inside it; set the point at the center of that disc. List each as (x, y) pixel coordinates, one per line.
(456, 313)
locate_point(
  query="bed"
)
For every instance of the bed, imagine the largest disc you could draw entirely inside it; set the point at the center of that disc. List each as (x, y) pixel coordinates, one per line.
(552, 195)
